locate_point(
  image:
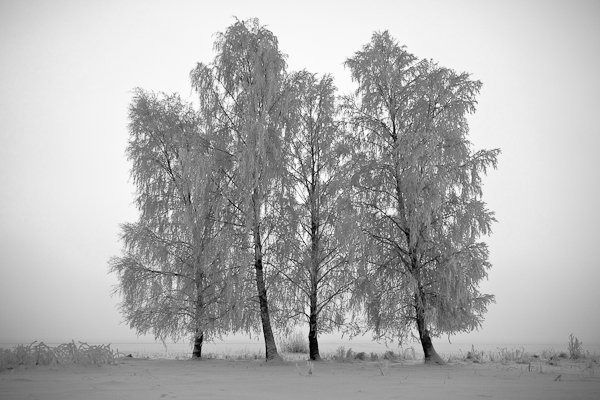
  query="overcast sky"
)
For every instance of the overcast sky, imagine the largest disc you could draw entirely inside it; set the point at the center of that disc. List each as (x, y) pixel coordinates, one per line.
(66, 73)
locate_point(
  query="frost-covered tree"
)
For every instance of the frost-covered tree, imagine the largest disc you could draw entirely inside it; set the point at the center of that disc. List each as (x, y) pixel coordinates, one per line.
(246, 80)
(418, 189)
(171, 273)
(315, 238)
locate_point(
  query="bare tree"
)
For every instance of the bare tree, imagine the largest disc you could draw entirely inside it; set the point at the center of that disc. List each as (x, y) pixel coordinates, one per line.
(418, 188)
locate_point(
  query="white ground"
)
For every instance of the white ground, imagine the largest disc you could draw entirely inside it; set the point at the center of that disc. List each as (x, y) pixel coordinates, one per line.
(220, 379)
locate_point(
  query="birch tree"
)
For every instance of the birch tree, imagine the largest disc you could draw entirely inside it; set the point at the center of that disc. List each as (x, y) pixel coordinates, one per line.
(246, 80)
(418, 188)
(171, 273)
(315, 238)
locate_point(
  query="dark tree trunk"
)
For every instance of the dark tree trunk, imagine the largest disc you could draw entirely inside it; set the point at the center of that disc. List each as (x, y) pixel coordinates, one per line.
(270, 346)
(313, 343)
(199, 331)
(198, 340)
(431, 356)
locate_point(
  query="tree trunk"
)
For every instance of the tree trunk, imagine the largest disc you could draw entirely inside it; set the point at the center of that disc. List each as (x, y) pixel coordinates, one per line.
(431, 356)
(270, 346)
(199, 312)
(198, 340)
(313, 343)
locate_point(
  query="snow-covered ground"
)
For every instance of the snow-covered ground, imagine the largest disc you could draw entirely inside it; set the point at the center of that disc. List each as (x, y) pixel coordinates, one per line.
(133, 378)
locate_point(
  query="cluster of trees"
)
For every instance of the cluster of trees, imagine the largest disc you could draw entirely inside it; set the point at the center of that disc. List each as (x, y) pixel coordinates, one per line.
(271, 200)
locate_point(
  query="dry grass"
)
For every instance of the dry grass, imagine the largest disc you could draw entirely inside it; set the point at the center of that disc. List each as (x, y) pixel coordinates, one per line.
(63, 354)
(348, 355)
(341, 355)
(295, 343)
(237, 356)
(575, 347)
(520, 356)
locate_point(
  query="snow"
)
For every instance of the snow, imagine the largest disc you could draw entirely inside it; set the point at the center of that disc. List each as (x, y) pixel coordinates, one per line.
(133, 378)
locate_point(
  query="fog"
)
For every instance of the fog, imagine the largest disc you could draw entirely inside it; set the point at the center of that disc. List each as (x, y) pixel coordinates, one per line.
(66, 73)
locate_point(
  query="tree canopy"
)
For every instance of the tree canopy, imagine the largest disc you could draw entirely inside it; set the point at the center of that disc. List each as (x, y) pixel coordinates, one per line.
(169, 273)
(418, 189)
(271, 201)
(316, 240)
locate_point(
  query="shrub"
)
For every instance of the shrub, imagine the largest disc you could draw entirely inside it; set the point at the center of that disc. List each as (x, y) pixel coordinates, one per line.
(343, 355)
(340, 354)
(350, 354)
(295, 343)
(475, 355)
(575, 347)
(515, 355)
(66, 353)
(360, 356)
(408, 354)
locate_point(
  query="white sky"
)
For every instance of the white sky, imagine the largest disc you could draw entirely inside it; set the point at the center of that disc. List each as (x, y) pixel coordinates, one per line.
(66, 73)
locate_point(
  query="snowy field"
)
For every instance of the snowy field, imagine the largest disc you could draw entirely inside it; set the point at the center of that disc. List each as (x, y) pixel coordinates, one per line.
(133, 378)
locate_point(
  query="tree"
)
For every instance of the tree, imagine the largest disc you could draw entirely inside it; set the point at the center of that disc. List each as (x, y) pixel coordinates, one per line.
(418, 189)
(171, 274)
(246, 79)
(315, 237)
